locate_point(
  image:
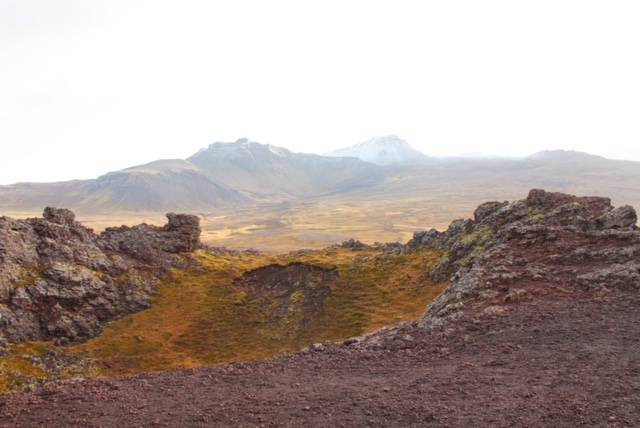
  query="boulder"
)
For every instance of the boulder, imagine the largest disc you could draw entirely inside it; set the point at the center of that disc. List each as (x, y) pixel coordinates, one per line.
(622, 217)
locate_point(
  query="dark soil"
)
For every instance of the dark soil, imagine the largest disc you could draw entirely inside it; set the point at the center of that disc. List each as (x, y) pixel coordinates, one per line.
(549, 362)
(274, 287)
(539, 329)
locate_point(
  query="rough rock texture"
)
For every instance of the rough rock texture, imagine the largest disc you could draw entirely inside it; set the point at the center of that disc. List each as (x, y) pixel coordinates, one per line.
(549, 363)
(540, 327)
(291, 294)
(152, 244)
(60, 280)
(465, 240)
(354, 245)
(569, 242)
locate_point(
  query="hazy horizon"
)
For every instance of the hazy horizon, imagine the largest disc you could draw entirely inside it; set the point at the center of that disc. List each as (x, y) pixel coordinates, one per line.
(474, 155)
(91, 87)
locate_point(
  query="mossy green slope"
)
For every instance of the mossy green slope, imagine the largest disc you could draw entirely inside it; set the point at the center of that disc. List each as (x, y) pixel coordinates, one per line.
(206, 314)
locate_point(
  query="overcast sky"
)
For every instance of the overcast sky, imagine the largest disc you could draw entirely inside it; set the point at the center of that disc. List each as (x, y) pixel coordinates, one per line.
(88, 87)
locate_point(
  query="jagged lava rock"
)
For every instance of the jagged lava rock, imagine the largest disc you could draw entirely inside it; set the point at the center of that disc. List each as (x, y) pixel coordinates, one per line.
(60, 280)
(542, 244)
(464, 240)
(153, 244)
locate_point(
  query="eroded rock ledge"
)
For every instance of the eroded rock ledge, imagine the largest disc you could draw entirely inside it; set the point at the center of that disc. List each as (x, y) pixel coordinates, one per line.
(59, 280)
(550, 244)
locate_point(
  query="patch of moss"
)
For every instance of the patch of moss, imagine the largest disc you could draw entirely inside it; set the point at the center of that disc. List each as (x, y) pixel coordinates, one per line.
(203, 317)
(534, 215)
(29, 275)
(22, 366)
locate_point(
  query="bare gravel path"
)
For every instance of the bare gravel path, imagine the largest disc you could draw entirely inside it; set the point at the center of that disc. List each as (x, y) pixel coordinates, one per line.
(561, 363)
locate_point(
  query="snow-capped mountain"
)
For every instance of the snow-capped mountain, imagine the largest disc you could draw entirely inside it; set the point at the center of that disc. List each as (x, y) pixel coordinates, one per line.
(382, 150)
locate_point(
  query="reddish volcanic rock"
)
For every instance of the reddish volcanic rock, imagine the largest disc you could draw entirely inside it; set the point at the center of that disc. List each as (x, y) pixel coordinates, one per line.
(539, 327)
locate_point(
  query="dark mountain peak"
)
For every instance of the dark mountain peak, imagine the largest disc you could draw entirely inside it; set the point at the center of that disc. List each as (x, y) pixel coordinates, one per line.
(269, 172)
(241, 148)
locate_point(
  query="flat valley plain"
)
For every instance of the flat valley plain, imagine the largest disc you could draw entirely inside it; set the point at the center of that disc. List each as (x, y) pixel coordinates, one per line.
(306, 224)
(411, 198)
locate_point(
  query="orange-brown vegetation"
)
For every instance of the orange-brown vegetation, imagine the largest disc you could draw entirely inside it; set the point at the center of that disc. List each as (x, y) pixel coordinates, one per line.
(207, 314)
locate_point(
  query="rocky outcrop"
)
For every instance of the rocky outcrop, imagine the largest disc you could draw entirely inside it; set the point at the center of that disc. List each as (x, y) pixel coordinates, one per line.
(59, 280)
(547, 243)
(354, 245)
(155, 245)
(292, 295)
(465, 240)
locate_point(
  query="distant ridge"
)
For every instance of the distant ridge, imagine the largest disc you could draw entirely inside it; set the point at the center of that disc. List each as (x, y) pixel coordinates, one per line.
(267, 171)
(564, 155)
(221, 175)
(245, 175)
(383, 150)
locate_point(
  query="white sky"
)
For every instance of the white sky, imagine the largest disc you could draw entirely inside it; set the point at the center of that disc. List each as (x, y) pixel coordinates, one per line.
(89, 86)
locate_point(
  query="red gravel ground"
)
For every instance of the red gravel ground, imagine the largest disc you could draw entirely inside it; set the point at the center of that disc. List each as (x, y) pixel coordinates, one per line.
(551, 362)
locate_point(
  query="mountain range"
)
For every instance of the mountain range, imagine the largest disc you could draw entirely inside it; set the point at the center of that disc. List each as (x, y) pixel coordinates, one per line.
(252, 195)
(266, 172)
(221, 175)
